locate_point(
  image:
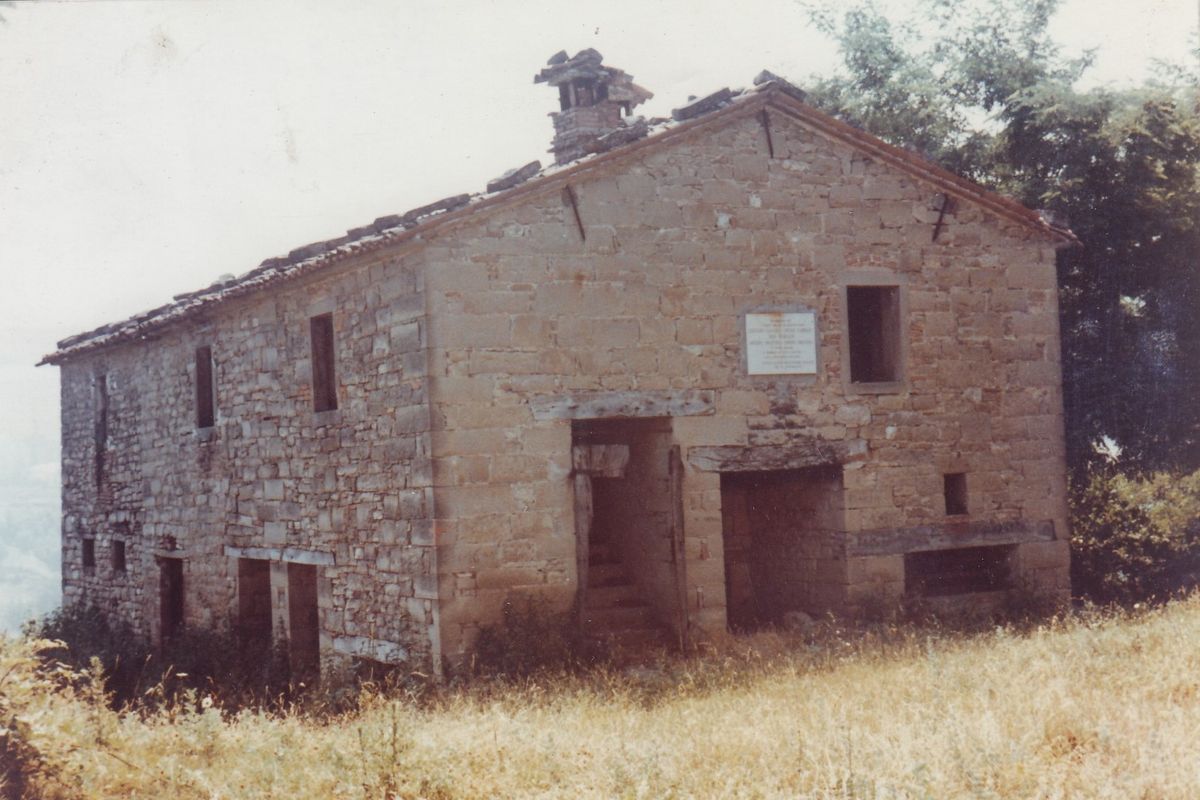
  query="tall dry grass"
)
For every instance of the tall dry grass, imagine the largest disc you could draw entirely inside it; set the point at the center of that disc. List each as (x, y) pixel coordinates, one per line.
(1096, 707)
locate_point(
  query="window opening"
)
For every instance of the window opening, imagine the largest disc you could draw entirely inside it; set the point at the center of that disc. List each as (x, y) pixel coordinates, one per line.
(938, 573)
(100, 426)
(873, 316)
(118, 555)
(324, 383)
(954, 489)
(205, 390)
(170, 595)
(89, 553)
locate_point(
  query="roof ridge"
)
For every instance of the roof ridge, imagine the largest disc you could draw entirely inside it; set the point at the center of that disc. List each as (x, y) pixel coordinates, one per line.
(768, 87)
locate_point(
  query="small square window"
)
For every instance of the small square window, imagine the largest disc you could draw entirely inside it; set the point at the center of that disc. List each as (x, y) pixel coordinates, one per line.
(954, 489)
(873, 332)
(89, 553)
(118, 555)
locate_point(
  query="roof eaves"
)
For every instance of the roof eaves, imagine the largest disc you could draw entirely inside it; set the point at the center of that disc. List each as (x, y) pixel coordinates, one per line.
(385, 231)
(389, 230)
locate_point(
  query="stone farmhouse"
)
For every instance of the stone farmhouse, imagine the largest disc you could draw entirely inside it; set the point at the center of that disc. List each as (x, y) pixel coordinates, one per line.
(697, 374)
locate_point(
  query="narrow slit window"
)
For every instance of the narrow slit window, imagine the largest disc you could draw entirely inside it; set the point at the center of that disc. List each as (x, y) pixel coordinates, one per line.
(118, 555)
(324, 381)
(100, 427)
(89, 553)
(170, 597)
(954, 489)
(205, 388)
(873, 322)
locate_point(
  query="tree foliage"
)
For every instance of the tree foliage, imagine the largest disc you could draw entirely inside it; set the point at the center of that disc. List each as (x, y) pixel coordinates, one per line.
(1134, 539)
(982, 89)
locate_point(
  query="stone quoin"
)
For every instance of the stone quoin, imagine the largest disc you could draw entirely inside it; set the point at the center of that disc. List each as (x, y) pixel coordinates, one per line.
(701, 373)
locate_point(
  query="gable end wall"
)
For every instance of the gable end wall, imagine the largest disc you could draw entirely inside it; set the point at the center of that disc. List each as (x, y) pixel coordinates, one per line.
(680, 243)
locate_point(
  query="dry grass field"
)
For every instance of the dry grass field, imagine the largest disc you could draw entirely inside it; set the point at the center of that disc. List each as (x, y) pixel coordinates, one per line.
(1097, 706)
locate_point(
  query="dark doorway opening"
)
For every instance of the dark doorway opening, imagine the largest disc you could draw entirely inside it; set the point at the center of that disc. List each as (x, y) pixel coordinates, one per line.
(873, 317)
(626, 490)
(254, 605)
(964, 570)
(304, 625)
(170, 596)
(782, 533)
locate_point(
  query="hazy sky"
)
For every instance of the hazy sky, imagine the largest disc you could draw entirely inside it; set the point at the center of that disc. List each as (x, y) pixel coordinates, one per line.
(148, 147)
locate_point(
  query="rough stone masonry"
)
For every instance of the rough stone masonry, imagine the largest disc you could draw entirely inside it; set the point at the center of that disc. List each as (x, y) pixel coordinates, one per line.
(562, 388)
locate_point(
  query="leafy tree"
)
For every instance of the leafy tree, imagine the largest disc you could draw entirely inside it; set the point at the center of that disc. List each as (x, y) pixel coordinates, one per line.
(1125, 546)
(982, 89)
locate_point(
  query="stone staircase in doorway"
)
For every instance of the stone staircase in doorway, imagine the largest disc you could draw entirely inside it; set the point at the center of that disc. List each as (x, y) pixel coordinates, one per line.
(615, 611)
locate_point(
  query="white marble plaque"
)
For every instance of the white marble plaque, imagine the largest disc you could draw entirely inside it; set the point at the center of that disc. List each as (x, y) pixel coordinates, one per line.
(781, 343)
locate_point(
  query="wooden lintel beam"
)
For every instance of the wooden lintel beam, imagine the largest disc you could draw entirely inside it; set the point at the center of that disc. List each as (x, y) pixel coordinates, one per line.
(896, 541)
(769, 458)
(630, 404)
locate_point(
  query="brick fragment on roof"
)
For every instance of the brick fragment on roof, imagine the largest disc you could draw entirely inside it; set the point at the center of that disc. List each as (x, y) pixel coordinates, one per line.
(767, 79)
(514, 177)
(445, 204)
(638, 129)
(702, 106)
(307, 251)
(382, 224)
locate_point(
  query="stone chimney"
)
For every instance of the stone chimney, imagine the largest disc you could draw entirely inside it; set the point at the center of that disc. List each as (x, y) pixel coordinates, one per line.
(594, 101)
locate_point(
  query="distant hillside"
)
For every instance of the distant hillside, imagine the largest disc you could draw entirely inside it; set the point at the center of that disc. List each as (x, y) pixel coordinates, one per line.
(30, 572)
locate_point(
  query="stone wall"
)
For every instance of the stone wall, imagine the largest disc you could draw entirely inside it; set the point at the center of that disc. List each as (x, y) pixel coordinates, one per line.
(346, 490)
(681, 241)
(102, 489)
(435, 492)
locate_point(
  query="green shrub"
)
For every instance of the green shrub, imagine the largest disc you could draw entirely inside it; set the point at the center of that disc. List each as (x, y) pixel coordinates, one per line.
(86, 632)
(197, 662)
(1134, 539)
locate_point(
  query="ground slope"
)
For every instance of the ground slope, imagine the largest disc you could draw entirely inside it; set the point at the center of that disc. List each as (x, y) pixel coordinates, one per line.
(1094, 707)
